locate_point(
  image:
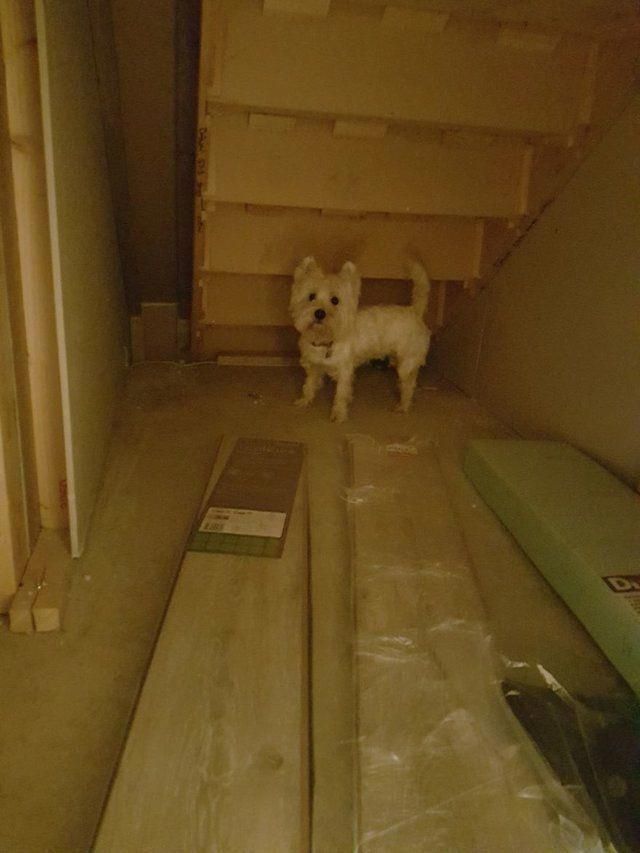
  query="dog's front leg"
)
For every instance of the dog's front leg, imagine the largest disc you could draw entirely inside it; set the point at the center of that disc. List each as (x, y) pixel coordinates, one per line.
(311, 385)
(344, 389)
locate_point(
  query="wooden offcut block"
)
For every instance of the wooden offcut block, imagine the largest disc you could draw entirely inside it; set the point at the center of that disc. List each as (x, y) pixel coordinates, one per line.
(20, 612)
(50, 602)
(217, 755)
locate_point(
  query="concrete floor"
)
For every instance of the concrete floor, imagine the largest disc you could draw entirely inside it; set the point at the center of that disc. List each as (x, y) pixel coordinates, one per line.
(67, 698)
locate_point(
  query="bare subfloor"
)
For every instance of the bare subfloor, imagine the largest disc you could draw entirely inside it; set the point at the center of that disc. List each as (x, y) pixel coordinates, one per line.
(66, 698)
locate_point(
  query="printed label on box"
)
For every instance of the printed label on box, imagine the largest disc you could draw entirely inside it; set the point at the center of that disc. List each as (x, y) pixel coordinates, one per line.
(628, 586)
(249, 509)
(244, 522)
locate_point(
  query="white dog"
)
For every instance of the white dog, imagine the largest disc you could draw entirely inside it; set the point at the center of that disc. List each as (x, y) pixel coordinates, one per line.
(336, 337)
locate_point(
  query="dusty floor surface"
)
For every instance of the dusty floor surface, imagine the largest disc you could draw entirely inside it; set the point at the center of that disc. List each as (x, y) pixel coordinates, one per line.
(66, 698)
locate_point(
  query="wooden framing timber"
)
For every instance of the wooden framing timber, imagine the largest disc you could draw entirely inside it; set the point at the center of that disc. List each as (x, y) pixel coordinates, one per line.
(403, 173)
(408, 66)
(251, 300)
(20, 49)
(40, 601)
(268, 241)
(19, 516)
(51, 600)
(418, 130)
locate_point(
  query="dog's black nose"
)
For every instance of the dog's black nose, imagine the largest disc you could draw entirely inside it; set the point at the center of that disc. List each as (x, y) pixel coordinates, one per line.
(320, 314)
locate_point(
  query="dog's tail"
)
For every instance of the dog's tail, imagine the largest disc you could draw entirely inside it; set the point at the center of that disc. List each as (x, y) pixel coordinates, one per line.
(421, 288)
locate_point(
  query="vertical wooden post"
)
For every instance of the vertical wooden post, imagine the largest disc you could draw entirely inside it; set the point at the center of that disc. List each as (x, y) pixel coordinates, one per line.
(187, 39)
(15, 522)
(17, 24)
(210, 64)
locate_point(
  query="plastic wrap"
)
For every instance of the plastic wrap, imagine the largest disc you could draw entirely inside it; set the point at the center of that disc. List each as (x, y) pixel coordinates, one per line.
(443, 763)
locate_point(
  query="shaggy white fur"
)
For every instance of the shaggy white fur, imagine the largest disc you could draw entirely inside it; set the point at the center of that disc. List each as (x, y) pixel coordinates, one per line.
(336, 337)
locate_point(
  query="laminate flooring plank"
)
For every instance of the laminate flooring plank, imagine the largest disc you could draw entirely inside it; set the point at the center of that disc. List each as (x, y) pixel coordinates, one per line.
(440, 763)
(217, 756)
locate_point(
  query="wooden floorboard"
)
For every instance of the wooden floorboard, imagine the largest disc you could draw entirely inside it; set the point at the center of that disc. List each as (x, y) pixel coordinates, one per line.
(217, 756)
(439, 765)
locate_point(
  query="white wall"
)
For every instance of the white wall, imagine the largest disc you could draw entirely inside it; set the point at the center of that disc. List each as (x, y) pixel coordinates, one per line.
(553, 346)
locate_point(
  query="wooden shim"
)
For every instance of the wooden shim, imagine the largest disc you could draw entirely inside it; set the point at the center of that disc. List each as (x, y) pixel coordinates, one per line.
(21, 611)
(402, 173)
(50, 602)
(305, 8)
(371, 69)
(217, 755)
(274, 124)
(261, 242)
(436, 755)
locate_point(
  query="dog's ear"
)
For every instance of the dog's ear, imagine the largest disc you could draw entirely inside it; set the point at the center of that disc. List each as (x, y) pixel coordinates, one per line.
(350, 274)
(304, 268)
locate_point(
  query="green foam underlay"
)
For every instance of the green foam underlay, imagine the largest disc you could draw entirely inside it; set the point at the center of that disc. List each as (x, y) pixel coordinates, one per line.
(579, 525)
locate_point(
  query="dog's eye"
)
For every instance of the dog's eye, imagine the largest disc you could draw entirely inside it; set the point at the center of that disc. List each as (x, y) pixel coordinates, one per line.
(335, 300)
(312, 296)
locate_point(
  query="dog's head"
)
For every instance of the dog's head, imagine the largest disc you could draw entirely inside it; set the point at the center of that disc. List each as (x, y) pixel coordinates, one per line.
(323, 307)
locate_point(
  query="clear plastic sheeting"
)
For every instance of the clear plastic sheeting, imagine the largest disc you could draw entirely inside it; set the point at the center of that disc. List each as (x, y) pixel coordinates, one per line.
(592, 743)
(442, 762)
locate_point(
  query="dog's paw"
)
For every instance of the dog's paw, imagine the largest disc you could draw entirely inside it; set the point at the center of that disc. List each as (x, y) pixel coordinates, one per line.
(302, 402)
(400, 409)
(338, 416)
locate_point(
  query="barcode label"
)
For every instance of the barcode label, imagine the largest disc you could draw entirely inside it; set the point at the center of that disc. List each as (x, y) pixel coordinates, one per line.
(212, 527)
(243, 522)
